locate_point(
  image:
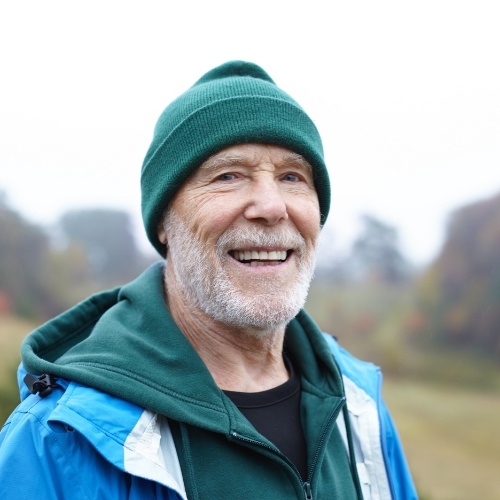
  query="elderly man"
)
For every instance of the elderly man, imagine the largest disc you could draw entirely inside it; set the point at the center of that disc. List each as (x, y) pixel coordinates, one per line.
(203, 378)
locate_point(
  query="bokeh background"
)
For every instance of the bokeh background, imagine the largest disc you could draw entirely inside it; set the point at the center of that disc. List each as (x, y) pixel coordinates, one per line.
(406, 98)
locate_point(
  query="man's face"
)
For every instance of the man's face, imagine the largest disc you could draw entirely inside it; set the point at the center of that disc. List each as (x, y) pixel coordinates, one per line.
(242, 233)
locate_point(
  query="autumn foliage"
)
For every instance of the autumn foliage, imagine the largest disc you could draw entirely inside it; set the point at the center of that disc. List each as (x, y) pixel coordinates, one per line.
(459, 294)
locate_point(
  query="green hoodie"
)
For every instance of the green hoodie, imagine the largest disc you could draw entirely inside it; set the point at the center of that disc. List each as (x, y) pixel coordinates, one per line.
(124, 342)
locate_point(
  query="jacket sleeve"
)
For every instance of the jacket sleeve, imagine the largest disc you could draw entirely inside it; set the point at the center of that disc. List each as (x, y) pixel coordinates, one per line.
(33, 460)
(42, 457)
(395, 460)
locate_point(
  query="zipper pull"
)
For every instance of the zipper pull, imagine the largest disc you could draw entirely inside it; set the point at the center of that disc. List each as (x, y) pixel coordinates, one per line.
(308, 491)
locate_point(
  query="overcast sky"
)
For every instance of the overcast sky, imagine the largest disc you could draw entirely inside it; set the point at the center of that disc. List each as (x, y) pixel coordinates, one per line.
(406, 96)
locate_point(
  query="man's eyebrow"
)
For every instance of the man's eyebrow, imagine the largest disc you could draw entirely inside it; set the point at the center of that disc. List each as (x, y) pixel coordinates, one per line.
(296, 160)
(221, 161)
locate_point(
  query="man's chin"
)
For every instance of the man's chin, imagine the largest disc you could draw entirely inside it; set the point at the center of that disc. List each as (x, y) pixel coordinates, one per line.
(259, 312)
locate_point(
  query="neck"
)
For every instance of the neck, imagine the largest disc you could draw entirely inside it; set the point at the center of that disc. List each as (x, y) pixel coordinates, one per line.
(238, 358)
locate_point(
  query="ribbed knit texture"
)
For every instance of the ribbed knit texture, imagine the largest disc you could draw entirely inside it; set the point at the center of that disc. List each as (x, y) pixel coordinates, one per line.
(235, 103)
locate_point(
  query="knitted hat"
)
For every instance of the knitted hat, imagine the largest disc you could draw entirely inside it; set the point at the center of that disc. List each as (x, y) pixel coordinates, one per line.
(234, 103)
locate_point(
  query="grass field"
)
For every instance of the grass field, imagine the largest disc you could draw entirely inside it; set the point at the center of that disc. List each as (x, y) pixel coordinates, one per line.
(12, 332)
(451, 435)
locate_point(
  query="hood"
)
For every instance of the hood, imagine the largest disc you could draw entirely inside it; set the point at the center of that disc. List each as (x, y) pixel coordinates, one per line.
(124, 342)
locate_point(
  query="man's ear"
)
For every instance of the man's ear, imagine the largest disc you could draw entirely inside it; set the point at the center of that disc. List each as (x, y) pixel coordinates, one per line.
(162, 235)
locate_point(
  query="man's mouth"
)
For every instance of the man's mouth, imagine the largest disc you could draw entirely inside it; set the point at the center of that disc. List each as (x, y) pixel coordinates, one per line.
(260, 257)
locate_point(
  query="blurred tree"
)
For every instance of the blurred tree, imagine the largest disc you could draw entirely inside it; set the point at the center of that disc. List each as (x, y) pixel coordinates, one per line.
(375, 253)
(460, 293)
(67, 277)
(106, 237)
(38, 280)
(23, 250)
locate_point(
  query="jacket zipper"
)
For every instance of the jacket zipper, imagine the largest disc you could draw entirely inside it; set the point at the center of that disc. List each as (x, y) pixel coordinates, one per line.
(306, 485)
(308, 491)
(333, 416)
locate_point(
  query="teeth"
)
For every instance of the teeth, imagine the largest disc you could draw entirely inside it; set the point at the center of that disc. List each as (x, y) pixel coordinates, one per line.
(262, 255)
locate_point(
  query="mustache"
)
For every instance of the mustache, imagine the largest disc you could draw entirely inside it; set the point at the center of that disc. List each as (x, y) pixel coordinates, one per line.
(246, 237)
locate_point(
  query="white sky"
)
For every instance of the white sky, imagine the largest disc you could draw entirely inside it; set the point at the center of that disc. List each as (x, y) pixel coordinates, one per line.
(406, 96)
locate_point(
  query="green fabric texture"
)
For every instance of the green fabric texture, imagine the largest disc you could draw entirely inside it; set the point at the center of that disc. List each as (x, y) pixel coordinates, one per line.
(235, 103)
(124, 342)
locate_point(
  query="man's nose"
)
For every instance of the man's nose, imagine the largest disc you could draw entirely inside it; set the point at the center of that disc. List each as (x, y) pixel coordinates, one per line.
(266, 203)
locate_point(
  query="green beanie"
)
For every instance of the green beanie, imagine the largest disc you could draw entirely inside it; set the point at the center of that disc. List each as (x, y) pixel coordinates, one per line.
(235, 103)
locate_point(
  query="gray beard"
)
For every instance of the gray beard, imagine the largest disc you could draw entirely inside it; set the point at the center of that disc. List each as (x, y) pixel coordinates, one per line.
(205, 284)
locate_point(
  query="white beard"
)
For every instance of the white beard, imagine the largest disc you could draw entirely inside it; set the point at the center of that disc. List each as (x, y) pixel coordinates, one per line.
(203, 279)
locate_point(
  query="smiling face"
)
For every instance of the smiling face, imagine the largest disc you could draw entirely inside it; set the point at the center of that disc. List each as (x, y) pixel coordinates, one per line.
(241, 235)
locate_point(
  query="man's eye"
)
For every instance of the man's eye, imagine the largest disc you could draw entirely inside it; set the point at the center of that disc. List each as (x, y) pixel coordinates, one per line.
(291, 177)
(226, 177)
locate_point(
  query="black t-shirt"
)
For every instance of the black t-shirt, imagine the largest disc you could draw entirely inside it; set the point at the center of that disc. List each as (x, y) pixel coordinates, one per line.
(275, 413)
